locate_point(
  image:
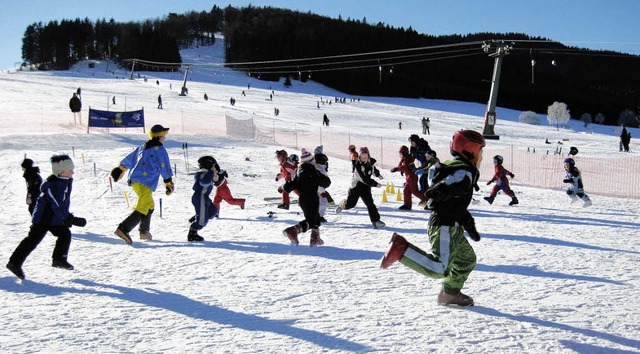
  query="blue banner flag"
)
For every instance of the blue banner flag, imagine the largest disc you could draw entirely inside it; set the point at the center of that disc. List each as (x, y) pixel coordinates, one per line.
(107, 119)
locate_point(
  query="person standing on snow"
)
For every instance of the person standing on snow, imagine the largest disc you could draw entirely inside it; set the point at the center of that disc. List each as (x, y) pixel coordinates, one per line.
(34, 181)
(159, 101)
(222, 190)
(574, 178)
(287, 172)
(322, 165)
(407, 168)
(502, 183)
(452, 258)
(361, 185)
(75, 105)
(307, 181)
(51, 214)
(203, 184)
(147, 163)
(354, 157)
(418, 150)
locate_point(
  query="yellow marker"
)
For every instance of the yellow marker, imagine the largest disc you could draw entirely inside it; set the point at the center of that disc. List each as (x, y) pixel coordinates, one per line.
(126, 197)
(384, 197)
(399, 197)
(393, 190)
(82, 157)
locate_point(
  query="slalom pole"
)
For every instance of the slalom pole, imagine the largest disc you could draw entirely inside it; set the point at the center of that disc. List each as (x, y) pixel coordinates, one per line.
(111, 184)
(160, 208)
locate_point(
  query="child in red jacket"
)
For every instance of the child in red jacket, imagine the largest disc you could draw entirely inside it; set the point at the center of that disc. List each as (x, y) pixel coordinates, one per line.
(222, 190)
(407, 168)
(500, 177)
(287, 172)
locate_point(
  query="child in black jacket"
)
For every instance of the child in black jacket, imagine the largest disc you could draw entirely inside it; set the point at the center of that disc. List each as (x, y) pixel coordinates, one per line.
(34, 181)
(306, 181)
(51, 214)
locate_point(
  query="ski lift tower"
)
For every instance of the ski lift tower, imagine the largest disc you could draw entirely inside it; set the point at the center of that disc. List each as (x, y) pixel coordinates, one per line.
(497, 50)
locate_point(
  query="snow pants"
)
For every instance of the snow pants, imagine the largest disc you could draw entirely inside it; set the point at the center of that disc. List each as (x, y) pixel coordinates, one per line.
(452, 258)
(411, 188)
(503, 186)
(363, 191)
(311, 215)
(224, 193)
(205, 210)
(36, 235)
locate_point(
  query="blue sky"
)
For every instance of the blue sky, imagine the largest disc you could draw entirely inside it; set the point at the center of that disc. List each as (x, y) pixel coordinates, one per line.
(596, 24)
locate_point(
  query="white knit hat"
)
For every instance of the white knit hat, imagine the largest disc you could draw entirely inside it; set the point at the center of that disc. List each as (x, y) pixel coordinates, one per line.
(61, 163)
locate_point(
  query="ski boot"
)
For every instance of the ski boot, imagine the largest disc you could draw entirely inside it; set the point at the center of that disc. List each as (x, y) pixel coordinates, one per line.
(458, 299)
(193, 236)
(283, 206)
(405, 207)
(292, 234)
(489, 199)
(587, 203)
(398, 246)
(315, 238)
(514, 201)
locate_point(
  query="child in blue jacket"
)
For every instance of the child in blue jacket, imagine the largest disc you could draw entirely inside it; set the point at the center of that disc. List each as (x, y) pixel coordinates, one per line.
(147, 163)
(51, 214)
(201, 199)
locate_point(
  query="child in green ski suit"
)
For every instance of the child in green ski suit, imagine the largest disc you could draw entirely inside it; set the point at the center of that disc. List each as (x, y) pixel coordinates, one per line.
(452, 258)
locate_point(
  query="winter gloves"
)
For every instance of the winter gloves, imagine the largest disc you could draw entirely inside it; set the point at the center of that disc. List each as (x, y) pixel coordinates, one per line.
(118, 172)
(72, 220)
(469, 224)
(169, 186)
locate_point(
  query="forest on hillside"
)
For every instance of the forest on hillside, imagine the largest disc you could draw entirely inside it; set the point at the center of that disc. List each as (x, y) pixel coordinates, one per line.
(359, 58)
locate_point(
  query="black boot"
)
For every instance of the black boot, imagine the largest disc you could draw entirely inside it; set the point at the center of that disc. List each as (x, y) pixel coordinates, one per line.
(127, 225)
(514, 201)
(15, 269)
(61, 263)
(489, 199)
(193, 236)
(145, 226)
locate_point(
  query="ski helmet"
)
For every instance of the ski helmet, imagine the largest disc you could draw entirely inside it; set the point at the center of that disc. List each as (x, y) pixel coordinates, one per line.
(499, 159)
(364, 150)
(432, 153)
(206, 162)
(570, 161)
(467, 144)
(404, 150)
(294, 158)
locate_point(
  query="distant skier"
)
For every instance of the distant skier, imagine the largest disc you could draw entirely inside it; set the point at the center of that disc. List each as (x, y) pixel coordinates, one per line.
(76, 107)
(574, 178)
(452, 258)
(159, 101)
(502, 183)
